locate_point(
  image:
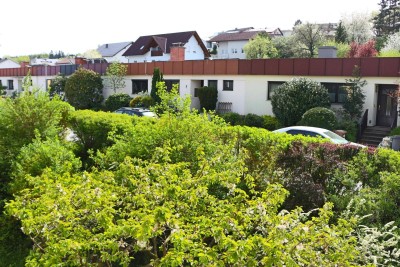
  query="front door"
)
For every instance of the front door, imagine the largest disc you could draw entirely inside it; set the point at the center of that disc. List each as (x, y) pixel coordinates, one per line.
(387, 105)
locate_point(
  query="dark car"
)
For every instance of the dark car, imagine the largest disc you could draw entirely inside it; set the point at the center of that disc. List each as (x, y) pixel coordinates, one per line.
(141, 112)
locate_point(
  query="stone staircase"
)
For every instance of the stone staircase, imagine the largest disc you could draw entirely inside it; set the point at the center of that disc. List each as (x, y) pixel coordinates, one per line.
(373, 135)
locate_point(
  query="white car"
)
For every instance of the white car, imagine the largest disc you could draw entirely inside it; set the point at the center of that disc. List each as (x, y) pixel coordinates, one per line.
(317, 132)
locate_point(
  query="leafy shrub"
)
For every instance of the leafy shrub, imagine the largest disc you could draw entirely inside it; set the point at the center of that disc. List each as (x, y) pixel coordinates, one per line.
(136, 102)
(84, 89)
(38, 156)
(319, 117)
(293, 98)
(395, 131)
(270, 123)
(233, 118)
(306, 169)
(142, 101)
(208, 97)
(96, 129)
(350, 127)
(253, 120)
(147, 101)
(30, 115)
(116, 101)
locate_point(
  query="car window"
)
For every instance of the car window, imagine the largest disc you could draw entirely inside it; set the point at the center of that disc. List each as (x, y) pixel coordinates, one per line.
(305, 133)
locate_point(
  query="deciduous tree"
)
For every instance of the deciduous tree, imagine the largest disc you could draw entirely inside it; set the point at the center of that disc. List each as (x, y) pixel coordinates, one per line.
(260, 47)
(310, 36)
(115, 75)
(358, 27)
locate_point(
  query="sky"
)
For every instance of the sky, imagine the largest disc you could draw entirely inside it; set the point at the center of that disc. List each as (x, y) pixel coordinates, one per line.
(75, 26)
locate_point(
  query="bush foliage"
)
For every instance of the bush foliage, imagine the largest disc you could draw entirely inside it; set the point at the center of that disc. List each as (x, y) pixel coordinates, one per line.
(319, 117)
(189, 189)
(116, 101)
(292, 99)
(84, 89)
(208, 97)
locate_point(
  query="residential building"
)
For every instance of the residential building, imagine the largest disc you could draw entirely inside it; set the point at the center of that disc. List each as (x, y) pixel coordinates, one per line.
(8, 63)
(177, 46)
(230, 43)
(113, 52)
(246, 86)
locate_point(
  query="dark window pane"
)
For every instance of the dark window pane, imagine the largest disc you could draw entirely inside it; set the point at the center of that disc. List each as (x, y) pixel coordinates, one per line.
(139, 86)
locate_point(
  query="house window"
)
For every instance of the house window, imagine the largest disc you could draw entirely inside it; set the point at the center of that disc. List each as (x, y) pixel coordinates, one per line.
(272, 87)
(10, 84)
(242, 51)
(228, 85)
(213, 83)
(139, 86)
(336, 91)
(170, 83)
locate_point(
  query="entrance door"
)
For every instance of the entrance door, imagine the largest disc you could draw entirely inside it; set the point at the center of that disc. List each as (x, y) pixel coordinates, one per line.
(387, 105)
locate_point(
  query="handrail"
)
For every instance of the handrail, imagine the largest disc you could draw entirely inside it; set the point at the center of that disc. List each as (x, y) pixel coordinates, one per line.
(394, 122)
(363, 125)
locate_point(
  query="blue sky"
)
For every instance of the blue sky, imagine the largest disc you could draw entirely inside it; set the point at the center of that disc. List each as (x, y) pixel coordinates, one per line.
(75, 26)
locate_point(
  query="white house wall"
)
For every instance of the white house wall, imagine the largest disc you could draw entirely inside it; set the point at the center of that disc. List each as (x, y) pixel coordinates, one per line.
(225, 49)
(249, 93)
(147, 57)
(193, 50)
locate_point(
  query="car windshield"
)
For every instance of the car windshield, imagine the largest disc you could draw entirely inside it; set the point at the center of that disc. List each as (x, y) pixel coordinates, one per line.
(337, 139)
(148, 114)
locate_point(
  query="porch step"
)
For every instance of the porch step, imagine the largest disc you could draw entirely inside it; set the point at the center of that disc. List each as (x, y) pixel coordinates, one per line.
(373, 135)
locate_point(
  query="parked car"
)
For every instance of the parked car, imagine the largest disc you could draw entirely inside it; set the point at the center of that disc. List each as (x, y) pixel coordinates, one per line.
(141, 112)
(317, 132)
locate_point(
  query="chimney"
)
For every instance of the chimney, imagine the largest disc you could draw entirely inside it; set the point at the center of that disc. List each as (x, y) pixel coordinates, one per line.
(327, 52)
(177, 52)
(24, 64)
(106, 45)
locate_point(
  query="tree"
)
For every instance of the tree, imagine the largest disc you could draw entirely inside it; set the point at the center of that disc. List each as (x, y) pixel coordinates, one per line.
(84, 89)
(362, 50)
(27, 81)
(341, 34)
(286, 46)
(292, 99)
(310, 36)
(392, 42)
(387, 21)
(358, 27)
(157, 77)
(91, 54)
(57, 86)
(115, 75)
(208, 97)
(260, 47)
(354, 101)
